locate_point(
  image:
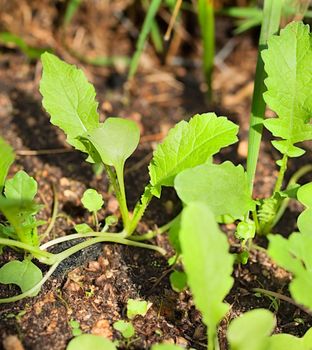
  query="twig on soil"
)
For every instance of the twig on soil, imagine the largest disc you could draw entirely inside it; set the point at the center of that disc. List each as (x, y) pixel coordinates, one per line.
(41, 152)
(282, 297)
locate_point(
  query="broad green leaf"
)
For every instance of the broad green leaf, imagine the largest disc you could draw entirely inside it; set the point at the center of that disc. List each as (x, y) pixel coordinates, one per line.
(21, 187)
(304, 221)
(125, 328)
(288, 64)
(92, 200)
(137, 307)
(25, 274)
(115, 140)
(20, 215)
(307, 340)
(251, 330)
(294, 255)
(83, 228)
(178, 281)
(7, 157)
(68, 98)
(166, 347)
(90, 342)
(245, 230)
(223, 187)
(208, 264)
(189, 144)
(286, 341)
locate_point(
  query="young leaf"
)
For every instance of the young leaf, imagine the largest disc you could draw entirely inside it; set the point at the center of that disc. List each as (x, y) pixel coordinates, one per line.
(6, 160)
(20, 215)
(294, 255)
(125, 328)
(83, 228)
(115, 140)
(166, 347)
(251, 330)
(286, 341)
(178, 281)
(214, 183)
(137, 307)
(205, 249)
(21, 187)
(92, 200)
(90, 342)
(288, 63)
(304, 221)
(68, 98)
(189, 144)
(25, 274)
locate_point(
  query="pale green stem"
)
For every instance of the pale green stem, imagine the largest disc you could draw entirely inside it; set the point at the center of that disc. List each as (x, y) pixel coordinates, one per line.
(294, 179)
(123, 198)
(270, 24)
(44, 257)
(280, 178)
(119, 195)
(96, 221)
(54, 215)
(152, 234)
(141, 207)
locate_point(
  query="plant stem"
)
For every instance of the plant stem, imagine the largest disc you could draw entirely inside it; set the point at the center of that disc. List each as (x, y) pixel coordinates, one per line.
(123, 198)
(140, 209)
(106, 238)
(44, 257)
(54, 214)
(293, 180)
(152, 234)
(33, 289)
(120, 197)
(280, 178)
(207, 27)
(96, 221)
(270, 25)
(282, 297)
(77, 236)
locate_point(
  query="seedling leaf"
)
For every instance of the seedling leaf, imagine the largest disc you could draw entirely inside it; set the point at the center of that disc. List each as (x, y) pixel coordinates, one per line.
(178, 281)
(92, 200)
(294, 255)
(21, 187)
(166, 347)
(205, 249)
(288, 63)
(6, 159)
(137, 307)
(304, 195)
(68, 98)
(25, 274)
(251, 330)
(115, 140)
(223, 187)
(83, 228)
(286, 341)
(125, 328)
(90, 342)
(189, 144)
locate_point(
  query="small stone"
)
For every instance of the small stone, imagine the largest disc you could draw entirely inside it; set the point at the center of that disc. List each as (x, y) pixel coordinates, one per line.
(102, 328)
(93, 266)
(12, 343)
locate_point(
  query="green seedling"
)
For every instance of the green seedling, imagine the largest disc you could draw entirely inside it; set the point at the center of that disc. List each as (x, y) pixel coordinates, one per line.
(137, 308)
(93, 201)
(125, 328)
(75, 328)
(178, 281)
(90, 342)
(253, 331)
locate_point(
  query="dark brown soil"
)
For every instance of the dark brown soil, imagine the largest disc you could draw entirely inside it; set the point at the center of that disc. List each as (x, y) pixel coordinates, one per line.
(93, 286)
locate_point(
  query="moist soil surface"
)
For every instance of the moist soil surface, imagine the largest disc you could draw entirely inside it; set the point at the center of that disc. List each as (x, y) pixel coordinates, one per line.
(93, 286)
